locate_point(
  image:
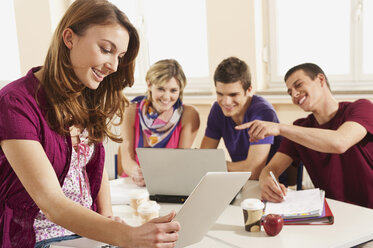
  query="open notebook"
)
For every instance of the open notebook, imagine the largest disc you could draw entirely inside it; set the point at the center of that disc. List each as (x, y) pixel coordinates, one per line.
(302, 207)
(298, 204)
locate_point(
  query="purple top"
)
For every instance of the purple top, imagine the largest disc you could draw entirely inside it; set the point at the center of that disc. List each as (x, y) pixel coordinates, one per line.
(237, 141)
(345, 177)
(22, 118)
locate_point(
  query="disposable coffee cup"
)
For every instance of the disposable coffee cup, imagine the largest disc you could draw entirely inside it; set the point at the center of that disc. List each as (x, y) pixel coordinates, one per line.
(137, 197)
(252, 212)
(148, 210)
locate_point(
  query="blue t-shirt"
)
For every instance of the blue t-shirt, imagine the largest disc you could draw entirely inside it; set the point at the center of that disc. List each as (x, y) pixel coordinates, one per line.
(237, 141)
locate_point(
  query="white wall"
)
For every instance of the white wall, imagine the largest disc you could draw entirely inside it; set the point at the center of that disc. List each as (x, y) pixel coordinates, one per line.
(33, 30)
(229, 26)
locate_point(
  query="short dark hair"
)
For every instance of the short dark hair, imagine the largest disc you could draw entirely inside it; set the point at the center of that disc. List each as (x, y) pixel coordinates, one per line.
(231, 70)
(310, 69)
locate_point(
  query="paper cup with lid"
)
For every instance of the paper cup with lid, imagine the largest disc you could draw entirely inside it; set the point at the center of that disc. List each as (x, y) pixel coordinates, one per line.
(252, 211)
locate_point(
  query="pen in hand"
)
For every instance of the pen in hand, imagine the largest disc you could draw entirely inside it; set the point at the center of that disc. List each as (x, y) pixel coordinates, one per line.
(278, 185)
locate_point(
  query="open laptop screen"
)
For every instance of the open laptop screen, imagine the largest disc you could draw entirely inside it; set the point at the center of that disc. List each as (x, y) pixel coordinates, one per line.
(171, 174)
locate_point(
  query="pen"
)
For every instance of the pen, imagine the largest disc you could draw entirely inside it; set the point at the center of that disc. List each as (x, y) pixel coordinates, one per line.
(278, 185)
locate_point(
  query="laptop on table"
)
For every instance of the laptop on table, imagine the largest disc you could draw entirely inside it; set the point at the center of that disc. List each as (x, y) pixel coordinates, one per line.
(172, 174)
(199, 212)
(206, 203)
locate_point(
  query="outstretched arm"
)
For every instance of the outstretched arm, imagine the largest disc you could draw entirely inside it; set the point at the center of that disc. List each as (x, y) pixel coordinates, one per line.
(37, 175)
(322, 140)
(209, 143)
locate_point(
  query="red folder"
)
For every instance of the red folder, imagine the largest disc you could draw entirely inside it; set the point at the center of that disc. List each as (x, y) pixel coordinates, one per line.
(326, 218)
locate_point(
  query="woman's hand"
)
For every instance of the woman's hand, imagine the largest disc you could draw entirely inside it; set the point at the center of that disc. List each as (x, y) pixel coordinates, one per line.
(159, 232)
(137, 176)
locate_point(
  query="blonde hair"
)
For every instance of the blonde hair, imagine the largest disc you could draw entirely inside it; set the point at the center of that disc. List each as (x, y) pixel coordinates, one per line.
(71, 103)
(163, 71)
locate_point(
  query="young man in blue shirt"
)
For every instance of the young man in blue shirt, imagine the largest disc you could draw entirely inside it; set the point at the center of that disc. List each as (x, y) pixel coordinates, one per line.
(236, 105)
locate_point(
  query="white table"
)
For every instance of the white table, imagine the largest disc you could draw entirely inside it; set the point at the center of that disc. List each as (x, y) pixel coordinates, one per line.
(353, 225)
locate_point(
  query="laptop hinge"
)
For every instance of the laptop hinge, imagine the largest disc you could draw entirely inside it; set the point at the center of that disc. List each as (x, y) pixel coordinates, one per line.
(169, 198)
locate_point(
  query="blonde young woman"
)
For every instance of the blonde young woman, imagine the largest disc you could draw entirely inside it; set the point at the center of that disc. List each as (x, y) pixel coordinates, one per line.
(53, 184)
(158, 119)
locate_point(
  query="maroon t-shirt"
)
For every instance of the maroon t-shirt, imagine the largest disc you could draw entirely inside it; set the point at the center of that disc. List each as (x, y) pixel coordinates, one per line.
(21, 117)
(345, 177)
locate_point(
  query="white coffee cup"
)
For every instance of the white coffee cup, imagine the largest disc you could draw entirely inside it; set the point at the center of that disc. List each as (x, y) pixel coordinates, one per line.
(137, 197)
(252, 211)
(148, 210)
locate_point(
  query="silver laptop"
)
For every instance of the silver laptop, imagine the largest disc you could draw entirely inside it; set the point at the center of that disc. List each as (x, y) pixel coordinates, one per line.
(172, 174)
(206, 203)
(200, 211)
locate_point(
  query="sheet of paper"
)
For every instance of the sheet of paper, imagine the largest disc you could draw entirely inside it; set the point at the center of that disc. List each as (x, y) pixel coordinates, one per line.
(300, 203)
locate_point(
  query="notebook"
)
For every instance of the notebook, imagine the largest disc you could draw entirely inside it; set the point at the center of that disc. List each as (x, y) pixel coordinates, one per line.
(302, 207)
(298, 204)
(199, 212)
(172, 174)
(326, 218)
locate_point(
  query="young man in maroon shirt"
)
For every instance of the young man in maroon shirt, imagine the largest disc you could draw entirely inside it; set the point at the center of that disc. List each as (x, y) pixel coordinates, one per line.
(335, 142)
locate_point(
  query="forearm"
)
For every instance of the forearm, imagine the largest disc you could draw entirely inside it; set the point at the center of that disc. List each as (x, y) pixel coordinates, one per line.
(87, 223)
(190, 125)
(256, 159)
(187, 138)
(278, 164)
(129, 165)
(243, 165)
(265, 171)
(237, 166)
(209, 143)
(322, 140)
(103, 199)
(128, 158)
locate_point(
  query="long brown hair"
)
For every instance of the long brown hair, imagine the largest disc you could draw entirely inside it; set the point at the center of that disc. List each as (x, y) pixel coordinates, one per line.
(71, 103)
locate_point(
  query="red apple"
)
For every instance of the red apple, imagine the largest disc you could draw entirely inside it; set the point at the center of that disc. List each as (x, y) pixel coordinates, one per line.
(272, 224)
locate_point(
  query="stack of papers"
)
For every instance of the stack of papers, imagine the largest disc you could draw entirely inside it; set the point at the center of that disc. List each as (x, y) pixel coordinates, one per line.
(298, 204)
(302, 207)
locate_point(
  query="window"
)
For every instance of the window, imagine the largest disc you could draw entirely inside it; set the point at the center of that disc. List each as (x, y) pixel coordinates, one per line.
(9, 54)
(170, 29)
(334, 34)
(367, 38)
